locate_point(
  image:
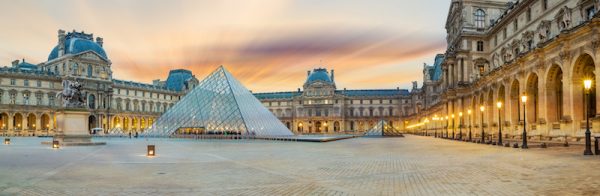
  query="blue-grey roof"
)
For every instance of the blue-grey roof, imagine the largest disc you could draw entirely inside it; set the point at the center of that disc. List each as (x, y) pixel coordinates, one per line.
(177, 78)
(437, 68)
(373, 92)
(319, 75)
(36, 71)
(277, 95)
(27, 66)
(138, 84)
(76, 43)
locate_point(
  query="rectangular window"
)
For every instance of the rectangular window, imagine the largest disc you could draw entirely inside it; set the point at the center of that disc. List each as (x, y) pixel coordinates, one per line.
(495, 40)
(516, 25)
(26, 83)
(590, 12)
(504, 34)
(544, 5)
(39, 83)
(480, 46)
(528, 14)
(13, 82)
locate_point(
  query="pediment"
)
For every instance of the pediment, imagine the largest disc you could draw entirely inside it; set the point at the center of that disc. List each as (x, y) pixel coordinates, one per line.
(91, 55)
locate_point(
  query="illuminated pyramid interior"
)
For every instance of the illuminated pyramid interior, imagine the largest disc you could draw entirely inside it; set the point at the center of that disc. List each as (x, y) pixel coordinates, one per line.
(220, 104)
(382, 128)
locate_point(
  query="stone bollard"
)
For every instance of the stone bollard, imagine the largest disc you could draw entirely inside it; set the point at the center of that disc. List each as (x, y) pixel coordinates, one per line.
(543, 145)
(494, 143)
(516, 145)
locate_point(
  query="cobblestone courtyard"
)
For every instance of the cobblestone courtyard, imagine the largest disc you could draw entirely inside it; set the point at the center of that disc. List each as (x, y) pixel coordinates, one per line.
(365, 166)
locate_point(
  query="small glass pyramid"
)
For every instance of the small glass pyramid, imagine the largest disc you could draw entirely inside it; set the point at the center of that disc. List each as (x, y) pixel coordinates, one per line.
(220, 104)
(382, 128)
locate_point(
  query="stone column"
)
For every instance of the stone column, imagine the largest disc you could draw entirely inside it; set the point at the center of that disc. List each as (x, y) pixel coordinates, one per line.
(568, 105)
(25, 123)
(38, 123)
(10, 125)
(542, 107)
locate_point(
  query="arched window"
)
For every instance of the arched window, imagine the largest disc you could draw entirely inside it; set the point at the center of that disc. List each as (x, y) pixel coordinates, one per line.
(90, 71)
(92, 101)
(479, 19)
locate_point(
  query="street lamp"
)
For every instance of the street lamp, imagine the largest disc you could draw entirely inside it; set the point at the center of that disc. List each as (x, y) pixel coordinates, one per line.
(524, 100)
(435, 118)
(447, 130)
(587, 84)
(453, 128)
(426, 127)
(469, 112)
(460, 124)
(499, 104)
(482, 109)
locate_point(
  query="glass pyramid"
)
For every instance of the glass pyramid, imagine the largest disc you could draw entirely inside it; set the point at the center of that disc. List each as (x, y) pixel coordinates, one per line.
(382, 128)
(220, 104)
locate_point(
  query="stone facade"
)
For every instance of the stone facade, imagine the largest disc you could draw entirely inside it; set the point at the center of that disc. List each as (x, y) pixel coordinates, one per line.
(499, 51)
(28, 101)
(320, 108)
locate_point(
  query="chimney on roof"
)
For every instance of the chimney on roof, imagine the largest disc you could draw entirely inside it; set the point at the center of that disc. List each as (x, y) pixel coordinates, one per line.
(100, 41)
(332, 76)
(308, 73)
(298, 89)
(61, 42)
(15, 63)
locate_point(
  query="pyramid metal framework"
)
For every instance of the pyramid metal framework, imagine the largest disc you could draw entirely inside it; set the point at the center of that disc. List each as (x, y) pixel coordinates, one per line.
(220, 104)
(382, 128)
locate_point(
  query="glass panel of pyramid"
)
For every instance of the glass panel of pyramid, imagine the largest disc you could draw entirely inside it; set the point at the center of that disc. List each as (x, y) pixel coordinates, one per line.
(382, 128)
(220, 104)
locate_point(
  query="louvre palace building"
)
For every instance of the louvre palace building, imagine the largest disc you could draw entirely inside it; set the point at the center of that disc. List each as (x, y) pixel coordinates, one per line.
(500, 51)
(321, 108)
(28, 101)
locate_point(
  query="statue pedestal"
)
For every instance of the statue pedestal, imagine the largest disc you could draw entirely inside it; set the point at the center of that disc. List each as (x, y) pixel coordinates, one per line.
(72, 124)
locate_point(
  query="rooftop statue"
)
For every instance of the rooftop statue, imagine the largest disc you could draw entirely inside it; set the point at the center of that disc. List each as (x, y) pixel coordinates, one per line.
(71, 94)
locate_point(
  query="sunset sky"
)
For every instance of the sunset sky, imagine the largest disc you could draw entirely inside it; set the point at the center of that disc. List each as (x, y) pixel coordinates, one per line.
(268, 45)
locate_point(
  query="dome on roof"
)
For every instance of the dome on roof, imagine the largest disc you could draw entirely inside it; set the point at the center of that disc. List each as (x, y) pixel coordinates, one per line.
(319, 75)
(177, 79)
(76, 45)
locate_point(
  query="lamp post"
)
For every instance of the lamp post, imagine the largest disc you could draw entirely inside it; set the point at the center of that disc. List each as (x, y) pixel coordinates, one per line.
(435, 118)
(426, 127)
(460, 124)
(447, 130)
(524, 100)
(469, 112)
(482, 109)
(587, 84)
(499, 104)
(453, 128)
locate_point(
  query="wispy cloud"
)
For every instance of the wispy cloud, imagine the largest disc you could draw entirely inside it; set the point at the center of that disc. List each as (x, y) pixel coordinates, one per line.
(268, 45)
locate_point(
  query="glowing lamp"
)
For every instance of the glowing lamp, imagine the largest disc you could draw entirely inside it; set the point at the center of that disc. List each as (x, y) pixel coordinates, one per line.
(55, 144)
(7, 141)
(151, 151)
(469, 112)
(524, 98)
(587, 84)
(460, 114)
(499, 104)
(482, 108)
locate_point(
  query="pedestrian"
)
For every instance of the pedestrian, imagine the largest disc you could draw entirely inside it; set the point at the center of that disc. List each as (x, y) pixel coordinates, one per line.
(130, 135)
